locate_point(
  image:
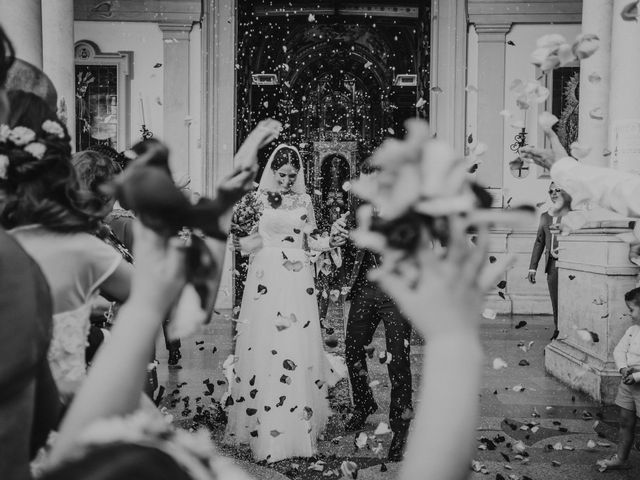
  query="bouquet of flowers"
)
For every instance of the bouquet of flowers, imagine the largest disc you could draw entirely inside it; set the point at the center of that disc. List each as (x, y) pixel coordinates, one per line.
(419, 184)
(246, 214)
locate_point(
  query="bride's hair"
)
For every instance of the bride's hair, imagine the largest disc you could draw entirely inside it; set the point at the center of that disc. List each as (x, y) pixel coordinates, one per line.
(285, 156)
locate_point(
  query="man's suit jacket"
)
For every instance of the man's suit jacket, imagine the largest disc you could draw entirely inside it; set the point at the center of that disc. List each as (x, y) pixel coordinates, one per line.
(542, 245)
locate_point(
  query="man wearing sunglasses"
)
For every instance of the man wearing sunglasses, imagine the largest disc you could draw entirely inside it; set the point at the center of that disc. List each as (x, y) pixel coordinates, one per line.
(547, 243)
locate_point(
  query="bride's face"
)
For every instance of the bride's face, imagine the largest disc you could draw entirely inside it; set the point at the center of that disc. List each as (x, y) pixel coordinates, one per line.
(286, 177)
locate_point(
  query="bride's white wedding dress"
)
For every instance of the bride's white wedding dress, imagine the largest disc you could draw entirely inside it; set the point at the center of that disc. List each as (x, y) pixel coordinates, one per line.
(281, 372)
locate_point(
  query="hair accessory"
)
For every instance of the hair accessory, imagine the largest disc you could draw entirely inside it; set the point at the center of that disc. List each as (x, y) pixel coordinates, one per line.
(28, 140)
(194, 452)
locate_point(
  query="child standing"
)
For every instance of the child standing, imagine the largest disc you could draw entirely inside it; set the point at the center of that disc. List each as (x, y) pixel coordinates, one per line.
(627, 358)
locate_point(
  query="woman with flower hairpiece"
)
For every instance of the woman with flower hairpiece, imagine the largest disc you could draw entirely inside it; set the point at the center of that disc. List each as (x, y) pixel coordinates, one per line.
(279, 376)
(54, 220)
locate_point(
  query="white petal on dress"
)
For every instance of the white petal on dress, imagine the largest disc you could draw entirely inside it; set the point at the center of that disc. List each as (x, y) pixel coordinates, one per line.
(282, 371)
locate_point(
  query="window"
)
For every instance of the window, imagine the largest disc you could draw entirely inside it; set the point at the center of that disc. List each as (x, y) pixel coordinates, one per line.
(102, 97)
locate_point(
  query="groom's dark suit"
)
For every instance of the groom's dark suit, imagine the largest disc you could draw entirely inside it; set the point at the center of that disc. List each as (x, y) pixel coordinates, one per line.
(369, 306)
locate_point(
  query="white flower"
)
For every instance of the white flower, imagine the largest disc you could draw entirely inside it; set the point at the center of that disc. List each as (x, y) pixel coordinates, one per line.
(585, 45)
(36, 149)
(4, 133)
(20, 136)
(547, 120)
(53, 128)
(553, 40)
(4, 165)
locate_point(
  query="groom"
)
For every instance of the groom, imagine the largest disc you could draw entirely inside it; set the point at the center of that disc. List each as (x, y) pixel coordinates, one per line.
(370, 306)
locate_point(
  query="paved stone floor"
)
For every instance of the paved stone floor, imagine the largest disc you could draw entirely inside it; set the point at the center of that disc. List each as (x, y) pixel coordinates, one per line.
(563, 432)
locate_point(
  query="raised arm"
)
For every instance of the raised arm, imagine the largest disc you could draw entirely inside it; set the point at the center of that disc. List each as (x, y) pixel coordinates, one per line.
(611, 189)
(115, 381)
(443, 303)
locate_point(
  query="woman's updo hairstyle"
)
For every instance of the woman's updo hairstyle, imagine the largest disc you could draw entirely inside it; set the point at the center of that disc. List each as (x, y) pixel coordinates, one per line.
(36, 171)
(120, 461)
(95, 170)
(285, 156)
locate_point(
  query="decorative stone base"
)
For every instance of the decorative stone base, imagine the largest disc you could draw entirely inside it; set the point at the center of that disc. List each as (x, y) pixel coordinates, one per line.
(594, 274)
(576, 369)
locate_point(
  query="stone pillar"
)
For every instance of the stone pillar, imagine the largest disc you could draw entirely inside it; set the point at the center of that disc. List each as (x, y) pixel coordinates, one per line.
(22, 21)
(58, 56)
(491, 94)
(595, 84)
(449, 71)
(176, 94)
(594, 274)
(218, 46)
(624, 103)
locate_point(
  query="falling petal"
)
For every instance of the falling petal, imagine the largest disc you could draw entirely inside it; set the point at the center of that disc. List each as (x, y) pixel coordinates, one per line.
(597, 114)
(499, 364)
(587, 335)
(489, 314)
(361, 440)
(480, 149)
(630, 12)
(421, 102)
(547, 120)
(382, 429)
(579, 151)
(594, 78)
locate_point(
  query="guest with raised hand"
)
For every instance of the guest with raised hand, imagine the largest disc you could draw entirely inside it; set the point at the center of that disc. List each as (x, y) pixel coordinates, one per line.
(443, 295)
(54, 222)
(612, 189)
(439, 279)
(140, 444)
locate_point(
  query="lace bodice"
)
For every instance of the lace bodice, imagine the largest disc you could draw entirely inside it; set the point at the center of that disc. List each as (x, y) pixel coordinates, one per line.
(68, 343)
(288, 221)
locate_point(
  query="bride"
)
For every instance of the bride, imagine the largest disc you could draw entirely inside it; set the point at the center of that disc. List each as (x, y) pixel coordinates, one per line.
(279, 376)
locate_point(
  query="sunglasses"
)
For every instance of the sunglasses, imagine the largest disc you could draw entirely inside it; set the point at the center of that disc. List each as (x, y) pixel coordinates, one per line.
(555, 190)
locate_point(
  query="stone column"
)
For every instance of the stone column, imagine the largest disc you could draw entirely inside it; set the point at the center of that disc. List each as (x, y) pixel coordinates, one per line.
(22, 21)
(491, 88)
(219, 122)
(176, 94)
(624, 103)
(448, 71)
(58, 56)
(220, 90)
(594, 83)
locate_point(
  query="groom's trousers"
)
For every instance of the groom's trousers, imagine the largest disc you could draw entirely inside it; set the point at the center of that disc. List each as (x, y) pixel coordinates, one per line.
(370, 306)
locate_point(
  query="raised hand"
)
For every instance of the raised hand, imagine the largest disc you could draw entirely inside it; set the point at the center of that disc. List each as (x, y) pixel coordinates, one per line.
(442, 290)
(545, 158)
(160, 272)
(265, 132)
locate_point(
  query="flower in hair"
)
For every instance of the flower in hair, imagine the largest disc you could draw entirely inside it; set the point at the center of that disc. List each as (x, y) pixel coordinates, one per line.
(4, 133)
(21, 136)
(53, 128)
(4, 165)
(36, 149)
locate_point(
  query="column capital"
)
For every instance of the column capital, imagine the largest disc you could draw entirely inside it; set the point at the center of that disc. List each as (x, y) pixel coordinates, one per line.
(178, 31)
(491, 31)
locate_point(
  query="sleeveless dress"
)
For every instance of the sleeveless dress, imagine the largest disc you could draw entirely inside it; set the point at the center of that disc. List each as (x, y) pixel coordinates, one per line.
(75, 265)
(279, 375)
